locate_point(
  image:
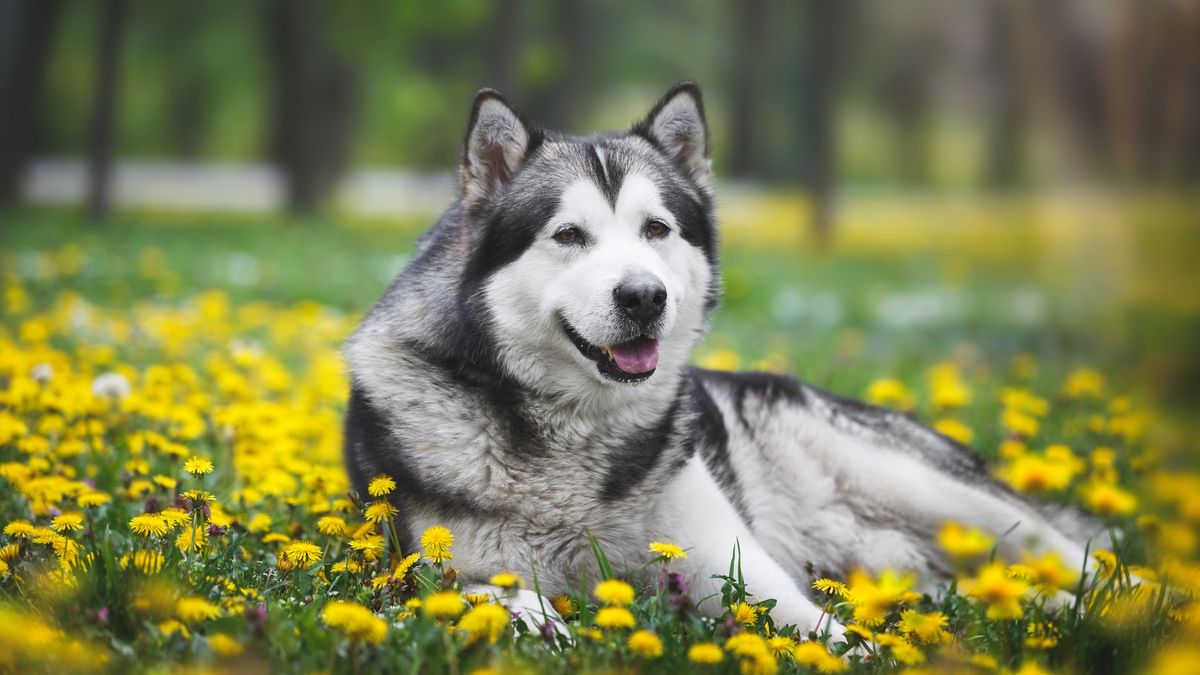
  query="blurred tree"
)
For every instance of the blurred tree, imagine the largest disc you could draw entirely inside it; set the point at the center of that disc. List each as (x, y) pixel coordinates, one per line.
(187, 89)
(314, 99)
(750, 36)
(102, 145)
(26, 28)
(557, 102)
(825, 30)
(502, 40)
(1009, 95)
(907, 97)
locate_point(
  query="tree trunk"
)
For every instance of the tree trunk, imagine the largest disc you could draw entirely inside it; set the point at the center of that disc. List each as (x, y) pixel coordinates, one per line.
(313, 105)
(824, 28)
(104, 111)
(751, 20)
(502, 36)
(27, 32)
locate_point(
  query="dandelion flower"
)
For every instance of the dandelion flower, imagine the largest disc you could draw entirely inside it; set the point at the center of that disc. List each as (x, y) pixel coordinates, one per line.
(743, 613)
(645, 644)
(485, 621)
(370, 546)
(667, 551)
(614, 617)
(705, 653)
(21, 529)
(436, 542)
(90, 499)
(302, 554)
(564, 605)
(955, 429)
(224, 645)
(614, 592)
(381, 485)
(67, 522)
(831, 587)
(506, 580)
(444, 605)
(198, 466)
(192, 540)
(1002, 593)
(928, 628)
(148, 525)
(891, 393)
(332, 526)
(356, 622)
(195, 609)
(963, 543)
(814, 655)
(379, 511)
(1108, 499)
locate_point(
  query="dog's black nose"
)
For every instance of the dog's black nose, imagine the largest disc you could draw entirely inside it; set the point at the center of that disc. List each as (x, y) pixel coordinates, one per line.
(641, 297)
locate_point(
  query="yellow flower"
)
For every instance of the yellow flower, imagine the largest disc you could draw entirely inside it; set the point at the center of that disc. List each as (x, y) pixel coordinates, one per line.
(563, 605)
(506, 580)
(948, 389)
(146, 562)
(757, 657)
(379, 511)
(614, 617)
(614, 592)
(302, 554)
(332, 526)
(356, 622)
(901, 650)
(721, 359)
(645, 644)
(21, 529)
(1041, 636)
(259, 522)
(401, 569)
(814, 655)
(667, 551)
(831, 587)
(965, 543)
(195, 609)
(148, 525)
(436, 542)
(443, 605)
(89, 499)
(1034, 474)
(198, 466)
(744, 613)
(66, 522)
(1001, 592)
(381, 485)
(371, 546)
(705, 653)
(1020, 423)
(485, 621)
(1084, 383)
(1108, 499)
(955, 429)
(224, 645)
(928, 628)
(873, 599)
(891, 393)
(192, 539)
(1050, 572)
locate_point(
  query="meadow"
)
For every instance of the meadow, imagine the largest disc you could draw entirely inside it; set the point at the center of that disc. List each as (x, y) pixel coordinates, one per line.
(172, 496)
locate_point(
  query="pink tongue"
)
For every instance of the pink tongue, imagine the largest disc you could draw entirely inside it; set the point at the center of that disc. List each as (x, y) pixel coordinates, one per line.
(636, 357)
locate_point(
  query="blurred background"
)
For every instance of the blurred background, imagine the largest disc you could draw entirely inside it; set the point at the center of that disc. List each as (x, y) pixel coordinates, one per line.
(897, 179)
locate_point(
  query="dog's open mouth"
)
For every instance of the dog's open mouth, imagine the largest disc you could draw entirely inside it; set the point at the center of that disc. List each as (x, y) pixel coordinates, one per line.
(630, 361)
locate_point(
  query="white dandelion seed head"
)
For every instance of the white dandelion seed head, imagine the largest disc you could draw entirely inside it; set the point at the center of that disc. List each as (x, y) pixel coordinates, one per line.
(42, 372)
(111, 385)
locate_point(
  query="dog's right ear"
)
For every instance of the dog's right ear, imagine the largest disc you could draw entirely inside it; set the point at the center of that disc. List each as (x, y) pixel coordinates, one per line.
(496, 143)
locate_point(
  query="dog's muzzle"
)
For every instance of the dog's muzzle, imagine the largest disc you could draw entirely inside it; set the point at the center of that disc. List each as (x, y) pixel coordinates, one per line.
(631, 361)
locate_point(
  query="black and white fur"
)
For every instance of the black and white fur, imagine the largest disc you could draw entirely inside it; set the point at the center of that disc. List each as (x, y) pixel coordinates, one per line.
(483, 383)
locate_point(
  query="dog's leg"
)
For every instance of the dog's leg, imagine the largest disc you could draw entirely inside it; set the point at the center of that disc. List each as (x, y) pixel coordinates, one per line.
(695, 514)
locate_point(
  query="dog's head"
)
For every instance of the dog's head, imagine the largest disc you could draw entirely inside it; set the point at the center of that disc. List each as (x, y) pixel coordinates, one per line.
(595, 259)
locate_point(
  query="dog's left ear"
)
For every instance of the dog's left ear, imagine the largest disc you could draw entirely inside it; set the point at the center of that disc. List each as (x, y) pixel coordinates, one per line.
(496, 143)
(678, 127)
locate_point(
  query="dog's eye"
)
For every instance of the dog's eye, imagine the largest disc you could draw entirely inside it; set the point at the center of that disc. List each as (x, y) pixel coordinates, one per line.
(655, 229)
(568, 234)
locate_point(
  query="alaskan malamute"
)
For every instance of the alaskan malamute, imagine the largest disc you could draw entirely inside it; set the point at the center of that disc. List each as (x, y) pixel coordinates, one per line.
(525, 381)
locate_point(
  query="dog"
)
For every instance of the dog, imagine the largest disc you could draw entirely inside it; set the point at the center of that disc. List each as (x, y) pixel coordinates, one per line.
(525, 382)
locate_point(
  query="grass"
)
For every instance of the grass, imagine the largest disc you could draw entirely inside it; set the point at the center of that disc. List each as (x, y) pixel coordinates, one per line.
(217, 338)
